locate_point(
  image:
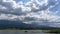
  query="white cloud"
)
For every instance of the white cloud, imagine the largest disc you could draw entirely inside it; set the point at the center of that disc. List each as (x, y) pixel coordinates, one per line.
(27, 12)
(2, 7)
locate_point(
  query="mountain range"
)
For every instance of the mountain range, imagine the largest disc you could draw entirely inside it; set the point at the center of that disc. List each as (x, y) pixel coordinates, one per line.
(19, 24)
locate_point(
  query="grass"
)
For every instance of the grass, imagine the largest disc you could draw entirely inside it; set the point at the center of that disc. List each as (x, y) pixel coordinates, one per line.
(54, 31)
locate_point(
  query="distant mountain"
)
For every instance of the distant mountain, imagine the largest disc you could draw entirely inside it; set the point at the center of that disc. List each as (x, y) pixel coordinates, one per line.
(8, 23)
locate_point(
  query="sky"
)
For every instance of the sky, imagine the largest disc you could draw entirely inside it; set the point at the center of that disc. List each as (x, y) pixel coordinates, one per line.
(41, 12)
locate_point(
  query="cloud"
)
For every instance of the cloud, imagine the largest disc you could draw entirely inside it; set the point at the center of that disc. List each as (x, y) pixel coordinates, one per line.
(27, 12)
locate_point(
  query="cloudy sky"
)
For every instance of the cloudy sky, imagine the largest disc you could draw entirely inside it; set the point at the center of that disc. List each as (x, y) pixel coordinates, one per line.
(41, 12)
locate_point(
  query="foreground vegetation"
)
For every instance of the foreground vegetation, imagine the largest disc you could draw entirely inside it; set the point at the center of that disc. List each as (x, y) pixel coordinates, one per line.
(54, 31)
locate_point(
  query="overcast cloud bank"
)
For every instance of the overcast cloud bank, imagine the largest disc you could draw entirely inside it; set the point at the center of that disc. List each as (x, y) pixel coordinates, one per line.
(34, 11)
